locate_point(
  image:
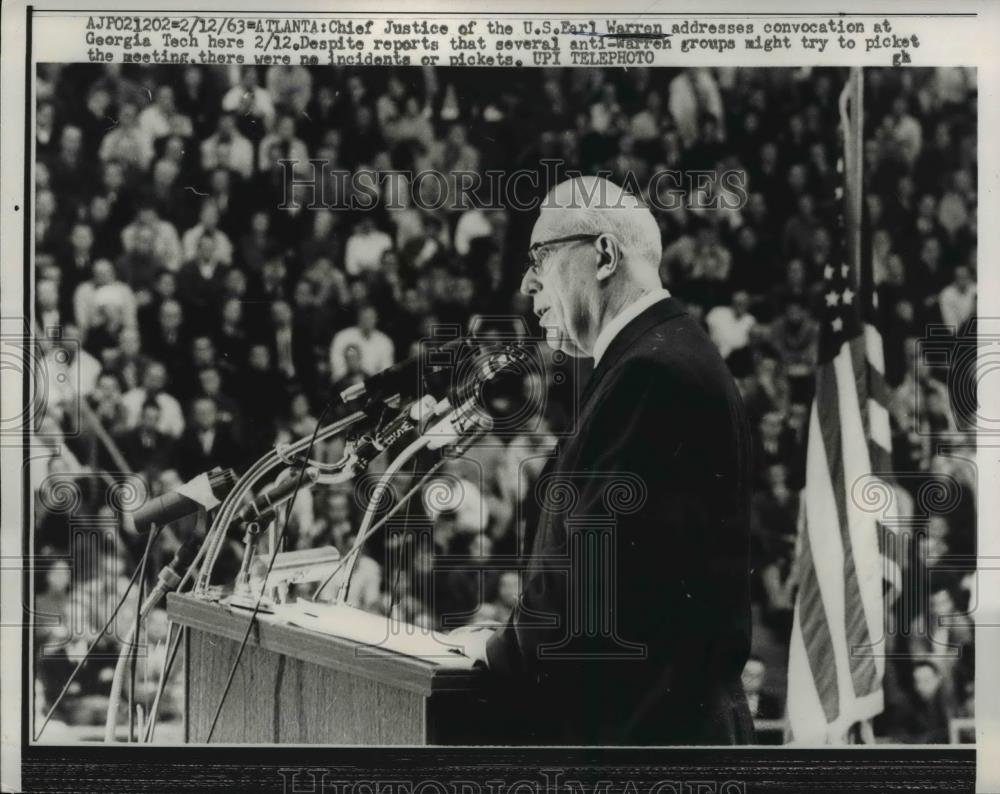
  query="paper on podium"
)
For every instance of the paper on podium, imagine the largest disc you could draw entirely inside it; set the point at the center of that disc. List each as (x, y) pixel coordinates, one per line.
(378, 631)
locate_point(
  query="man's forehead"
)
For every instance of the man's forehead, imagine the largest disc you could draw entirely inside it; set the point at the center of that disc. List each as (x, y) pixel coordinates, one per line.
(554, 223)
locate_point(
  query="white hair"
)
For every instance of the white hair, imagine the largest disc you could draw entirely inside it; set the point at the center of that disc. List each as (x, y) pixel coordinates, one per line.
(592, 205)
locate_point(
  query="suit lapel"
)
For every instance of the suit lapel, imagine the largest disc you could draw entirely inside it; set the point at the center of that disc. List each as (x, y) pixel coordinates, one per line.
(659, 312)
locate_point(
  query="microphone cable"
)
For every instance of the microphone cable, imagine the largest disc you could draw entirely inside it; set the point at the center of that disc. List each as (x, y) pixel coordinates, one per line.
(270, 565)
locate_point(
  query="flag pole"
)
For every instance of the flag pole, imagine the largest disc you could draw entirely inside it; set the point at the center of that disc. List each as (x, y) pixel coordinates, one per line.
(853, 198)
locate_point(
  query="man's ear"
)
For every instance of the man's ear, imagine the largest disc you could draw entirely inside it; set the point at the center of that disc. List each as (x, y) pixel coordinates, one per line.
(609, 251)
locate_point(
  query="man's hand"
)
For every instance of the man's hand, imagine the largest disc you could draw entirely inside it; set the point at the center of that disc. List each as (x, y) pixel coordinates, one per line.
(472, 640)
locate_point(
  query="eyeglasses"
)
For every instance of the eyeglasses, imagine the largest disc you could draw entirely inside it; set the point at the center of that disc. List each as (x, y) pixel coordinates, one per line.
(534, 262)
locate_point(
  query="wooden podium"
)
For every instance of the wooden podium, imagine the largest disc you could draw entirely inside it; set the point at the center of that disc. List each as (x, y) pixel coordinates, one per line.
(298, 686)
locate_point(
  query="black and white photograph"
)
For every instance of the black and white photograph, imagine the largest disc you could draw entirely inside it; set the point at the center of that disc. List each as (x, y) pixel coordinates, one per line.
(581, 388)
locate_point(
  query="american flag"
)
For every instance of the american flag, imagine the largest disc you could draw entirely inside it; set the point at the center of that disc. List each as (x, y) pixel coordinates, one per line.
(835, 666)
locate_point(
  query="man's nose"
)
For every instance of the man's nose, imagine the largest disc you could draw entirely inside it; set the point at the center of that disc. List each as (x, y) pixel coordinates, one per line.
(529, 283)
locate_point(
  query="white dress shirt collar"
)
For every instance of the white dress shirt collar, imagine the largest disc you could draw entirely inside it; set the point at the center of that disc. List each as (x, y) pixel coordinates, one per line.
(623, 318)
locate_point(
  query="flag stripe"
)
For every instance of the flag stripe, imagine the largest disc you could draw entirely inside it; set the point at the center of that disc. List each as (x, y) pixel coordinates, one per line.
(816, 634)
(828, 406)
(878, 389)
(881, 458)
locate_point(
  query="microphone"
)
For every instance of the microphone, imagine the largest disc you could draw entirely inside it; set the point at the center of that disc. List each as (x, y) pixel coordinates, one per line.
(265, 506)
(409, 378)
(171, 573)
(370, 446)
(204, 492)
(482, 371)
(471, 415)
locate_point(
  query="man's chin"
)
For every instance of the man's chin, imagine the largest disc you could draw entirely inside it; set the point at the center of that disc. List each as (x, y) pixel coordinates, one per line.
(562, 344)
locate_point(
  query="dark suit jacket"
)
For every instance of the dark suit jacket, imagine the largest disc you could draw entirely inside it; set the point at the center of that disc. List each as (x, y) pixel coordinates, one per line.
(157, 455)
(200, 297)
(303, 355)
(634, 623)
(191, 458)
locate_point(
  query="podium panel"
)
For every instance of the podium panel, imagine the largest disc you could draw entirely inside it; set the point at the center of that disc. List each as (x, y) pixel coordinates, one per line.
(297, 686)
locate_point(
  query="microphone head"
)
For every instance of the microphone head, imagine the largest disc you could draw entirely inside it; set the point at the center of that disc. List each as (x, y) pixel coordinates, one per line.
(221, 481)
(415, 375)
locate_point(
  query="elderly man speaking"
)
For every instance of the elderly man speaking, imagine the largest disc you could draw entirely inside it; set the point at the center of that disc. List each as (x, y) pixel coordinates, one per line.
(633, 625)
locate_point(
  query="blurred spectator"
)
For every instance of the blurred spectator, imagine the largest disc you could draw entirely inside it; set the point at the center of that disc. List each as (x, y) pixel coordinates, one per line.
(796, 336)
(763, 705)
(105, 329)
(166, 245)
(282, 142)
(128, 142)
(290, 87)
(291, 347)
(958, 299)
(210, 385)
(103, 289)
(207, 228)
(365, 247)
(106, 401)
(923, 717)
(729, 326)
(257, 377)
(231, 338)
(766, 389)
(251, 102)
(206, 443)
(375, 348)
(168, 341)
(80, 257)
(47, 306)
(946, 635)
(300, 422)
(774, 529)
(140, 264)
(161, 118)
(154, 383)
(200, 283)
(692, 94)
(907, 130)
(146, 449)
(228, 148)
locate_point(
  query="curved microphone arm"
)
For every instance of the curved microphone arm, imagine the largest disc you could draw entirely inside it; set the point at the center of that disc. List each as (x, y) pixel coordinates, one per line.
(373, 503)
(458, 430)
(265, 465)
